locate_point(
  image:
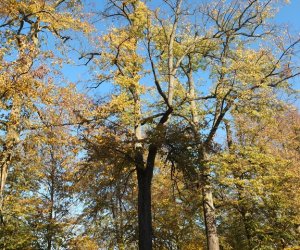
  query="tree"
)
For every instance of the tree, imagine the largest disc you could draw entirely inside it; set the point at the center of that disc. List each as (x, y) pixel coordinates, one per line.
(23, 82)
(176, 74)
(39, 201)
(107, 190)
(257, 177)
(220, 44)
(177, 214)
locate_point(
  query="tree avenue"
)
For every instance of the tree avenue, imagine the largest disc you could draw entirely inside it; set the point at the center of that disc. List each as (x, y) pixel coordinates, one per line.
(188, 139)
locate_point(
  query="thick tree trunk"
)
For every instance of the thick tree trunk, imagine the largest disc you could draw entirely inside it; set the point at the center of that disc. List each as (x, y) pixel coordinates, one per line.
(144, 176)
(210, 218)
(144, 207)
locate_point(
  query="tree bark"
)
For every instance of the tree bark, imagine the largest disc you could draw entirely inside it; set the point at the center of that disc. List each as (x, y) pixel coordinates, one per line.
(210, 218)
(50, 232)
(208, 205)
(144, 176)
(12, 138)
(144, 206)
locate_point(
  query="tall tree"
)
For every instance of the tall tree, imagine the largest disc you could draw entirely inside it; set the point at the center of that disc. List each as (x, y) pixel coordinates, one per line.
(236, 28)
(23, 82)
(175, 49)
(38, 205)
(258, 179)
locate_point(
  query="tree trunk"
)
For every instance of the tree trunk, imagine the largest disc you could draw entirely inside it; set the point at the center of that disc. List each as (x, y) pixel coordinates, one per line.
(144, 176)
(4, 167)
(208, 205)
(12, 138)
(50, 232)
(210, 217)
(144, 207)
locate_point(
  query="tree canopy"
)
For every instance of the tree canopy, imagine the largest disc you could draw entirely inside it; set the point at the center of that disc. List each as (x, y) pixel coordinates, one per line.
(180, 130)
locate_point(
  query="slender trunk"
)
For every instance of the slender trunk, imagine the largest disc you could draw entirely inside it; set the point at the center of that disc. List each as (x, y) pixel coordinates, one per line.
(12, 138)
(50, 221)
(4, 167)
(208, 205)
(210, 218)
(50, 231)
(247, 228)
(118, 218)
(212, 237)
(49, 243)
(241, 210)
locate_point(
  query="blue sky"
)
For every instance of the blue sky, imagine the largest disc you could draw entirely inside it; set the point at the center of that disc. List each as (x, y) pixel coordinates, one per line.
(288, 15)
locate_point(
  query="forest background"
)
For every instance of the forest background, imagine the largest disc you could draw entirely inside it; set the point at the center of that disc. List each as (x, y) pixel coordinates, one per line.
(168, 124)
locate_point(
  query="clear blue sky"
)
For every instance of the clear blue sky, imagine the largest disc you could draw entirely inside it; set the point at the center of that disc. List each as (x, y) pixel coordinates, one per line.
(288, 15)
